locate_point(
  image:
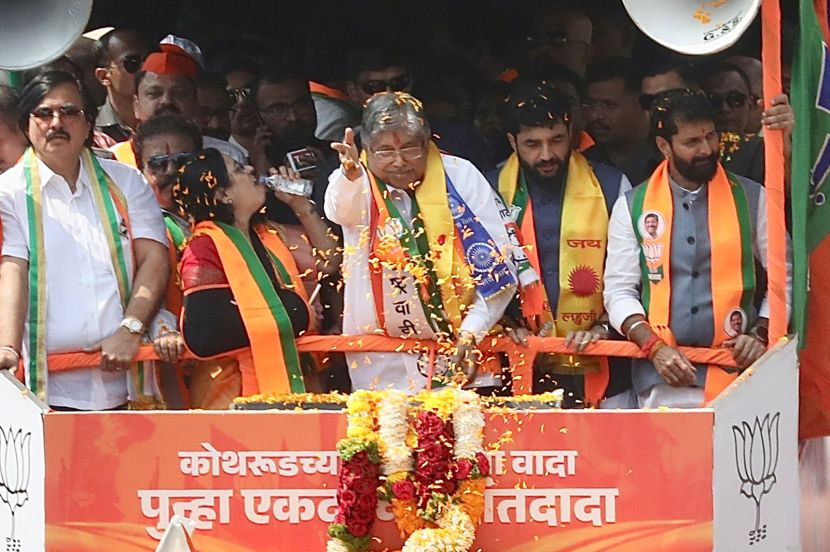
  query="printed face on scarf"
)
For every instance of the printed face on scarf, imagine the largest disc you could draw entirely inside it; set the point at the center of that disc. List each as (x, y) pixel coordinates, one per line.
(398, 158)
(543, 151)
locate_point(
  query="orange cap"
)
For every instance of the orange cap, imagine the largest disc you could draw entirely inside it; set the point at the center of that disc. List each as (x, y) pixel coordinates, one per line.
(172, 60)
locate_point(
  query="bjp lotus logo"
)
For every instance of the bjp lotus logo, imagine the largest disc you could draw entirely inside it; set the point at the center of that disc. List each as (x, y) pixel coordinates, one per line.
(15, 469)
(756, 457)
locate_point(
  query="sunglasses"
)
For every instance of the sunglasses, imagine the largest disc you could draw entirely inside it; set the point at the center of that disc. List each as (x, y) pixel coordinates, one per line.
(372, 87)
(46, 114)
(161, 162)
(132, 63)
(733, 99)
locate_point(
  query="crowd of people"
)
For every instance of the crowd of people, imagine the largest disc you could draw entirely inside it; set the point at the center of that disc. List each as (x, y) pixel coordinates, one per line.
(220, 208)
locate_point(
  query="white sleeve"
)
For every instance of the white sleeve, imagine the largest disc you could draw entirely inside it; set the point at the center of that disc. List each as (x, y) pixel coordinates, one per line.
(15, 240)
(622, 268)
(759, 247)
(346, 200)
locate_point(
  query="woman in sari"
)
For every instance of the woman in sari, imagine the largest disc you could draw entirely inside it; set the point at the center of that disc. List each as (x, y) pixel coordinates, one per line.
(243, 296)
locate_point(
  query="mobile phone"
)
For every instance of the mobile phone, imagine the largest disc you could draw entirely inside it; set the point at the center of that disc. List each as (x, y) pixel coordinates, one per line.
(302, 160)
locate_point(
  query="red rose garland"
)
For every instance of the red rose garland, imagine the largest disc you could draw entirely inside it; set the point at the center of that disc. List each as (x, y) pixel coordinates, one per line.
(433, 457)
(359, 476)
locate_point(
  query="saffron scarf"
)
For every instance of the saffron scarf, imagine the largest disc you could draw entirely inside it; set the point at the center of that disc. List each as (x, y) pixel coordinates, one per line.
(581, 261)
(448, 252)
(276, 361)
(110, 204)
(733, 272)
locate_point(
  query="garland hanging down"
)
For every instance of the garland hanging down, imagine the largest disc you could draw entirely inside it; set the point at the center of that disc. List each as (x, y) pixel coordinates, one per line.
(433, 469)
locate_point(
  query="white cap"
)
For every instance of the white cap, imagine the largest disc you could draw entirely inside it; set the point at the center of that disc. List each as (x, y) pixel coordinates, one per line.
(190, 47)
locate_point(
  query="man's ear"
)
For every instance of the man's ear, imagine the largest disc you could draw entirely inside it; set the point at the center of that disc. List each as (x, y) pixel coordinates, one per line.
(664, 146)
(511, 139)
(102, 75)
(135, 108)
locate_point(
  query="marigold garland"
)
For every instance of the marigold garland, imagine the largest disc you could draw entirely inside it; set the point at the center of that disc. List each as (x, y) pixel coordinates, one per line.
(429, 461)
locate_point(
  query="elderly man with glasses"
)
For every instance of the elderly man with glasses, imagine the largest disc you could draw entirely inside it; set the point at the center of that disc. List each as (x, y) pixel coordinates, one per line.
(426, 251)
(119, 55)
(87, 235)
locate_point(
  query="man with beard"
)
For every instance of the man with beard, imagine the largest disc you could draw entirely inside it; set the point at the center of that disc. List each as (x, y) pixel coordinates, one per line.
(680, 287)
(167, 84)
(87, 234)
(561, 203)
(286, 110)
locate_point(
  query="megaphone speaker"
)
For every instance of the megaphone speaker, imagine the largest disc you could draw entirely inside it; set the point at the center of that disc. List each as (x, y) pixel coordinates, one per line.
(34, 32)
(693, 27)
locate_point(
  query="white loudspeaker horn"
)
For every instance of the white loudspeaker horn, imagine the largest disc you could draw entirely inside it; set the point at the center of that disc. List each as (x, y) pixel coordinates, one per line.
(693, 27)
(34, 32)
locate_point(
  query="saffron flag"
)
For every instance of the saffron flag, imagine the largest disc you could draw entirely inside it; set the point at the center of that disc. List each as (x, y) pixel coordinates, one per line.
(811, 216)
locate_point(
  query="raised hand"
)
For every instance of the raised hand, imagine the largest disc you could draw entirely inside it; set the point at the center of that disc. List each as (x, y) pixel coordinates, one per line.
(349, 156)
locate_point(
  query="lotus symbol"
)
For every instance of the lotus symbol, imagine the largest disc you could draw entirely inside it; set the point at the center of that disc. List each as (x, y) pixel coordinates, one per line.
(756, 457)
(15, 469)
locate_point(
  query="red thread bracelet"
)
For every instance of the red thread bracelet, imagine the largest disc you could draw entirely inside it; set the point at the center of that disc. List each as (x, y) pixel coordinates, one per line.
(649, 345)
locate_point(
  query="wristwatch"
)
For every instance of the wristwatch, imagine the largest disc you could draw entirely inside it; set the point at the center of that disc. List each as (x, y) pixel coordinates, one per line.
(133, 325)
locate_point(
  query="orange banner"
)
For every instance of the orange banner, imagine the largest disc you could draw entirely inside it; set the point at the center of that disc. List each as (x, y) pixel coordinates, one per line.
(562, 480)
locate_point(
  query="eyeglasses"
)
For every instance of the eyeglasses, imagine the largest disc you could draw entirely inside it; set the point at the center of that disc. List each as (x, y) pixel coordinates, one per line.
(372, 87)
(46, 114)
(238, 95)
(647, 100)
(303, 107)
(132, 63)
(733, 99)
(408, 154)
(160, 163)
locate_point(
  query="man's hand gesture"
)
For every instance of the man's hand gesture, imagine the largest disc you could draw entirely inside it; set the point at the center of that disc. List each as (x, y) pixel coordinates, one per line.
(349, 156)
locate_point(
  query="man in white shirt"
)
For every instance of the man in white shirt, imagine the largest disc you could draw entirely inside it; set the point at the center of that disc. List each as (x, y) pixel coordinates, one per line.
(408, 213)
(86, 237)
(684, 280)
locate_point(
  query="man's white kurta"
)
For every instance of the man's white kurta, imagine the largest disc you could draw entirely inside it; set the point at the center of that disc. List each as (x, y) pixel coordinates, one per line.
(348, 204)
(82, 301)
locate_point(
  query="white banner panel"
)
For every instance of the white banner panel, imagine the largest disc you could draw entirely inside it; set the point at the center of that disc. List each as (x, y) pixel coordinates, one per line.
(22, 468)
(756, 486)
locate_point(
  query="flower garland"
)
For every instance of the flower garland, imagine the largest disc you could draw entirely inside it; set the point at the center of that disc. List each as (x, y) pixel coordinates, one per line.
(398, 488)
(359, 475)
(471, 464)
(434, 470)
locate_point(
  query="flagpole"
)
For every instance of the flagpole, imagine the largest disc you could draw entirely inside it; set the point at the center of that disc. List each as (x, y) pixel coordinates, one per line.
(774, 165)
